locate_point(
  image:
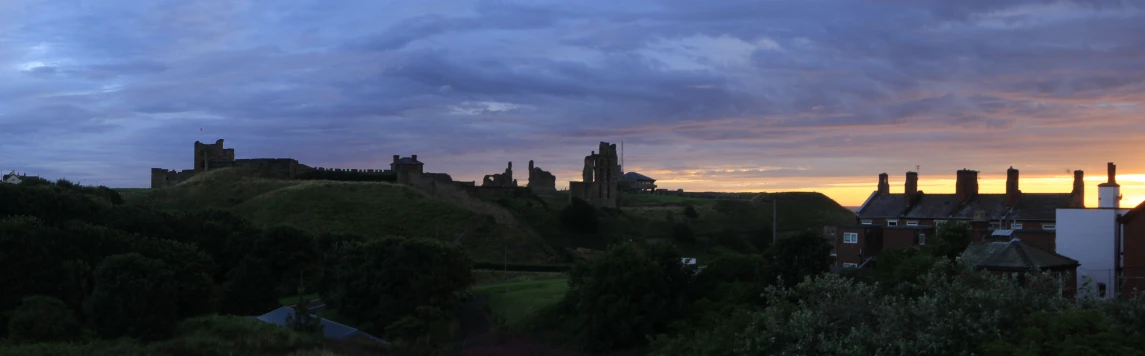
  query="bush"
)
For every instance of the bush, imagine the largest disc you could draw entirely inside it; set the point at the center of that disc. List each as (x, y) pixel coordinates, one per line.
(800, 256)
(690, 212)
(580, 217)
(42, 319)
(625, 297)
(134, 296)
(387, 279)
(681, 232)
(249, 290)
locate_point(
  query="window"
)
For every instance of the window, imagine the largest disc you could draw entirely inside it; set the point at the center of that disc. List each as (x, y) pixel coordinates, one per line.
(850, 237)
(1049, 227)
(868, 222)
(850, 265)
(912, 223)
(922, 239)
(1016, 226)
(892, 223)
(1101, 290)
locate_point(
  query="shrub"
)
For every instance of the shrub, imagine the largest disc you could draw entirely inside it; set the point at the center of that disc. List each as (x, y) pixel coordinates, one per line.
(580, 217)
(134, 296)
(42, 319)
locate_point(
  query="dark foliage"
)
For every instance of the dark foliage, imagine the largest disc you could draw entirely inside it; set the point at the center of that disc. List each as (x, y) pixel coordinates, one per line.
(133, 297)
(580, 217)
(249, 289)
(799, 256)
(681, 232)
(385, 280)
(42, 319)
(690, 212)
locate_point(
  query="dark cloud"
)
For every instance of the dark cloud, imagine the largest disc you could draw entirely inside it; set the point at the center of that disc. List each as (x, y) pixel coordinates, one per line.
(754, 93)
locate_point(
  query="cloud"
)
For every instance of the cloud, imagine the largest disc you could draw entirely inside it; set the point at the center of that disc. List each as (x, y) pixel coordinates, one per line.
(822, 94)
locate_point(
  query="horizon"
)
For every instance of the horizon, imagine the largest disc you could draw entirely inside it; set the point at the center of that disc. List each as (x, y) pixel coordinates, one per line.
(739, 96)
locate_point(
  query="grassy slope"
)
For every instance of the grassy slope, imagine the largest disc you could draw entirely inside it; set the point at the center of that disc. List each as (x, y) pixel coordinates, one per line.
(513, 301)
(367, 208)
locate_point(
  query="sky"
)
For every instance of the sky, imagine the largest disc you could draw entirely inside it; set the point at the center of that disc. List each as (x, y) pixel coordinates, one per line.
(730, 95)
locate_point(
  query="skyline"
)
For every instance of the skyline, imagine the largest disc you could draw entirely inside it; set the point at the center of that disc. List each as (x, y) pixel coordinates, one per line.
(734, 96)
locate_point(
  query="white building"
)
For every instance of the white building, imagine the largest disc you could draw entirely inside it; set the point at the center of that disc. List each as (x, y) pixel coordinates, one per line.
(1091, 236)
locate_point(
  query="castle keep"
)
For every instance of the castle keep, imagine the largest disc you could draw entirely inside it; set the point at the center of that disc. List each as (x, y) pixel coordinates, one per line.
(599, 178)
(541, 181)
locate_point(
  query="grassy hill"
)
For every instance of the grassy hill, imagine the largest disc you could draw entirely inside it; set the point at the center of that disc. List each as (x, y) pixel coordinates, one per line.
(367, 208)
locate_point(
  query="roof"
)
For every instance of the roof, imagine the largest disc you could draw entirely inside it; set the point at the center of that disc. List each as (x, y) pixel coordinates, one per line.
(637, 177)
(1133, 214)
(883, 206)
(330, 329)
(1013, 255)
(407, 160)
(1030, 206)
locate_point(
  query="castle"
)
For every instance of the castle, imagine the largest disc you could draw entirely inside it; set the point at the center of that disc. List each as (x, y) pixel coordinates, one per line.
(403, 170)
(599, 178)
(215, 156)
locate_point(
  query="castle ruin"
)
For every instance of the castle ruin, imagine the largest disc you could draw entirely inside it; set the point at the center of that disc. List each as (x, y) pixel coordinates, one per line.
(541, 181)
(599, 178)
(502, 180)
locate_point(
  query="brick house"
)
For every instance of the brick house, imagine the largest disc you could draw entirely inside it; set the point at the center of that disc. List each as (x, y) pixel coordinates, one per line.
(888, 220)
(1133, 251)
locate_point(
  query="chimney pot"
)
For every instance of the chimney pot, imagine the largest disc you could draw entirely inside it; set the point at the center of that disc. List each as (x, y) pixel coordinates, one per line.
(414, 157)
(884, 184)
(911, 191)
(1012, 191)
(396, 157)
(1112, 168)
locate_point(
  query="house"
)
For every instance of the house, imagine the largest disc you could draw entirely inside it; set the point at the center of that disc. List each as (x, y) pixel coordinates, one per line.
(887, 220)
(14, 178)
(1004, 256)
(1133, 251)
(1092, 236)
(330, 329)
(638, 182)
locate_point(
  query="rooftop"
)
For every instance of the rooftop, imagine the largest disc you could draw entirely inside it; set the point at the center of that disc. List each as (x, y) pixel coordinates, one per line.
(1013, 255)
(1030, 206)
(637, 177)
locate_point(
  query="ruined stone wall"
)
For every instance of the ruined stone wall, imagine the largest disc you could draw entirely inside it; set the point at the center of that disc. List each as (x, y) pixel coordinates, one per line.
(601, 174)
(162, 178)
(349, 175)
(206, 154)
(504, 179)
(541, 181)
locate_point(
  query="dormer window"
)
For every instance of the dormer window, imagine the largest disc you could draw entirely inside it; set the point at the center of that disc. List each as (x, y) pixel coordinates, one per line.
(892, 223)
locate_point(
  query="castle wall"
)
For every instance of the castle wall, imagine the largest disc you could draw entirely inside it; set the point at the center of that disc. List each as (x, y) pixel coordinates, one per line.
(350, 175)
(162, 178)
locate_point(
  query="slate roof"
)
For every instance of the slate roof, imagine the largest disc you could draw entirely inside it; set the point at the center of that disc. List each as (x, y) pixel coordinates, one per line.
(1013, 255)
(883, 206)
(330, 329)
(1030, 206)
(1133, 214)
(407, 160)
(637, 177)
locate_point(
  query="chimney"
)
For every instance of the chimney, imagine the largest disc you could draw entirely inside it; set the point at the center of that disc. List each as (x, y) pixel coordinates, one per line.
(1078, 194)
(414, 157)
(396, 157)
(1012, 191)
(966, 186)
(911, 188)
(1109, 193)
(884, 184)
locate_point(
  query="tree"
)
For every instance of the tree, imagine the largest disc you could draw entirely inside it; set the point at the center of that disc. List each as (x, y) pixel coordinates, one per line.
(626, 296)
(134, 296)
(681, 232)
(580, 217)
(248, 290)
(951, 240)
(43, 319)
(800, 256)
(288, 252)
(386, 279)
(690, 211)
(301, 320)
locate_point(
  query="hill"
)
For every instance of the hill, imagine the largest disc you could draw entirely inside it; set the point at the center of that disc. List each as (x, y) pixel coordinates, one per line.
(367, 208)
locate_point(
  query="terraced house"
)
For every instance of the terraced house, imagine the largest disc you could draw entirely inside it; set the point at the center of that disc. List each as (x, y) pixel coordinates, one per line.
(887, 220)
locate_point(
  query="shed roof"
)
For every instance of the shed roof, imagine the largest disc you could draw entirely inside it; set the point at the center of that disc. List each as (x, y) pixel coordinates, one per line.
(1013, 255)
(330, 328)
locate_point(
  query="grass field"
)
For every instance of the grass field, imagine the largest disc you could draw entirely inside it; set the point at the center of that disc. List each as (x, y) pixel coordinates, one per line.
(371, 209)
(655, 200)
(513, 301)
